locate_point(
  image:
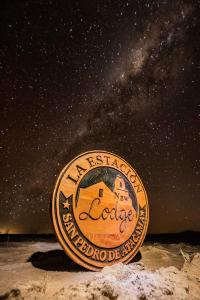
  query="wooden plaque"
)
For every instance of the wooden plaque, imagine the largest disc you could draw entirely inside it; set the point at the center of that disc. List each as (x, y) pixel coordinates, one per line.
(100, 210)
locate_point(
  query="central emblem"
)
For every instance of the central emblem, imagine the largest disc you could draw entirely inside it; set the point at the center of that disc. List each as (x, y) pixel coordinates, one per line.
(100, 210)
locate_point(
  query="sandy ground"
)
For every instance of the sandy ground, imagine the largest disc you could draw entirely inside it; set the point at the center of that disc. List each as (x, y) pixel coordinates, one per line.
(165, 271)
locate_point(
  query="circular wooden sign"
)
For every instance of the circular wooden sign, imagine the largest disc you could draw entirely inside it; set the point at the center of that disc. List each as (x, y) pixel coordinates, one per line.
(100, 210)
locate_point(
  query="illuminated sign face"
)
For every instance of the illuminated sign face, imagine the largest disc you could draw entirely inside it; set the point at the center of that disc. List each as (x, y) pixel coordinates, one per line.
(100, 210)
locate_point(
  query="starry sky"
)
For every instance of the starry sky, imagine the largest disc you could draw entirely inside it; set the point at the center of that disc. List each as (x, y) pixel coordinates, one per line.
(121, 76)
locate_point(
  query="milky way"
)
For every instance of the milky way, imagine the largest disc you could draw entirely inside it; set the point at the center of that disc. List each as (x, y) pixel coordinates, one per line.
(122, 77)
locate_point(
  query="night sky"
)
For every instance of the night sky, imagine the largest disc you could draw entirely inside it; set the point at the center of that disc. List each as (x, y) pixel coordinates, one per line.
(121, 76)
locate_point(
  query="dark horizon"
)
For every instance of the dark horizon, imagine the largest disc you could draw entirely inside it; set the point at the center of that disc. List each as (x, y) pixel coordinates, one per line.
(188, 237)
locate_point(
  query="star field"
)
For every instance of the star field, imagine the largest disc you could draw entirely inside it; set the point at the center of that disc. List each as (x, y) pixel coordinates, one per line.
(120, 76)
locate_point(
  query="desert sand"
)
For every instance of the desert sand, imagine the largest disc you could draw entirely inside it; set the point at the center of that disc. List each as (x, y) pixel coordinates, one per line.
(41, 270)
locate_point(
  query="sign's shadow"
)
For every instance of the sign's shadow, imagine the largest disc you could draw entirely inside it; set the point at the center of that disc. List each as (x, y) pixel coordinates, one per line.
(57, 260)
(54, 260)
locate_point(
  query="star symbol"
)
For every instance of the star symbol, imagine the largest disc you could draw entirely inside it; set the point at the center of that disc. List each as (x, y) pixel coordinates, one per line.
(66, 204)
